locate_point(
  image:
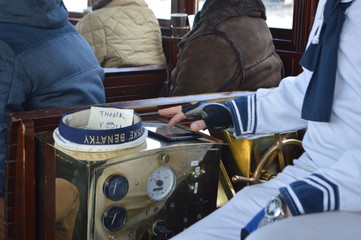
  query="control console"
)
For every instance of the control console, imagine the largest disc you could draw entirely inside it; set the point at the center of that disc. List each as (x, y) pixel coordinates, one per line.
(150, 192)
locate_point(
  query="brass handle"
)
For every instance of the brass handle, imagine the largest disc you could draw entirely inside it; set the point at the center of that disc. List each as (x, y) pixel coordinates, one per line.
(267, 158)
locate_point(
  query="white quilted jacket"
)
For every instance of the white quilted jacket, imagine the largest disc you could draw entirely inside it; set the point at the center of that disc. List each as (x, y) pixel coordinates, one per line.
(123, 33)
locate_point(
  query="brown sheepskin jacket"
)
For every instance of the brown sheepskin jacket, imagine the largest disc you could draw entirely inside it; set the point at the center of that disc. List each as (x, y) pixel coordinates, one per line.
(230, 49)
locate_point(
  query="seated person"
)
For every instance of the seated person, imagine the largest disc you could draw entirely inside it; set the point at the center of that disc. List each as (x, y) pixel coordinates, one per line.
(333, 225)
(44, 63)
(230, 48)
(325, 99)
(123, 33)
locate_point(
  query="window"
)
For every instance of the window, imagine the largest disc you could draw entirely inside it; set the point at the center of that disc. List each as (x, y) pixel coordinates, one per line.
(161, 8)
(200, 4)
(76, 5)
(289, 20)
(300, 17)
(279, 13)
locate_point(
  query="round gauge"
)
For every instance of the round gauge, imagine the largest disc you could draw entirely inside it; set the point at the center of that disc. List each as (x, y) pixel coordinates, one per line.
(161, 183)
(116, 187)
(114, 218)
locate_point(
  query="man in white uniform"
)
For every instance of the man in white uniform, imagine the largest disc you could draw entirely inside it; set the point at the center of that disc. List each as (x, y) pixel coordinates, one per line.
(327, 177)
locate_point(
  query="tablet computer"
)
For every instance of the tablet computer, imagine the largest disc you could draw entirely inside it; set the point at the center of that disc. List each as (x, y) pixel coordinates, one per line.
(158, 129)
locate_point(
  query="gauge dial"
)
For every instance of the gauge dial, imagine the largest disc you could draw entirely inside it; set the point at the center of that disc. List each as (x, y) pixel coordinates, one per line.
(116, 187)
(161, 183)
(114, 218)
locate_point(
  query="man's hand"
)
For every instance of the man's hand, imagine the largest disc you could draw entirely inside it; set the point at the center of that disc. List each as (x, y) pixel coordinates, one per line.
(210, 115)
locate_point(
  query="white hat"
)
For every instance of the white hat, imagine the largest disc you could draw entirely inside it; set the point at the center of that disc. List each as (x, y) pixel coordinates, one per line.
(77, 138)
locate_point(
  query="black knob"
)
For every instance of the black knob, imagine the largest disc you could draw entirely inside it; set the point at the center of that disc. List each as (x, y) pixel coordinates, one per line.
(161, 232)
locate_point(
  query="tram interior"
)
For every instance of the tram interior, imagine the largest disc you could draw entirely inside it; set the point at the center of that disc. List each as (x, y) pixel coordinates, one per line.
(115, 198)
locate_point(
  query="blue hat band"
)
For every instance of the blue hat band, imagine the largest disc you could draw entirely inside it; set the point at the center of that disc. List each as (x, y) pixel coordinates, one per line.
(80, 135)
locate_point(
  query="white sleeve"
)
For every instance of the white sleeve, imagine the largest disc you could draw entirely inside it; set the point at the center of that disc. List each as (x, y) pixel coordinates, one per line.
(329, 189)
(279, 110)
(271, 110)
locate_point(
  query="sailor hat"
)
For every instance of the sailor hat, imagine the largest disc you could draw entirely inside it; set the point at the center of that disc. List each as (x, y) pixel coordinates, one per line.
(72, 134)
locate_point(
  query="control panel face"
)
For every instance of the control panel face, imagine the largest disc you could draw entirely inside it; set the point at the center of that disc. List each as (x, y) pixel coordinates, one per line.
(151, 192)
(153, 196)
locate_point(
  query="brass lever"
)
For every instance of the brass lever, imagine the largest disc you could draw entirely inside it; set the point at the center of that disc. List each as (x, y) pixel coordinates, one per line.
(268, 157)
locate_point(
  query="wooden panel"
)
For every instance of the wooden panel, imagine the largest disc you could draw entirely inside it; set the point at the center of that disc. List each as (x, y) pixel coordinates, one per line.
(11, 214)
(25, 182)
(46, 191)
(129, 97)
(291, 62)
(183, 6)
(124, 84)
(21, 219)
(134, 80)
(136, 89)
(11, 185)
(10, 166)
(171, 50)
(10, 230)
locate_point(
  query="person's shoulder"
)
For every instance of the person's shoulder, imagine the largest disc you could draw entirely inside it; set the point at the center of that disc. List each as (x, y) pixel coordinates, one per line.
(21, 37)
(90, 21)
(7, 58)
(100, 15)
(5, 49)
(203, 35)
(13, 36)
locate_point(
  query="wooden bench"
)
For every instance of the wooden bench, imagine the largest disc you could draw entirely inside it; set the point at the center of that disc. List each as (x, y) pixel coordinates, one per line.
(133, 83)
(24, 214)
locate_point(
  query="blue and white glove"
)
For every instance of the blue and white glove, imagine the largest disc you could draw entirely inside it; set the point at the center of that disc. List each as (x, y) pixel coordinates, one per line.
(215, 115)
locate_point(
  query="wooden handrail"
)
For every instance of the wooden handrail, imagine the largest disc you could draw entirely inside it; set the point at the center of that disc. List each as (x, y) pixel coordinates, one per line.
(25, 182)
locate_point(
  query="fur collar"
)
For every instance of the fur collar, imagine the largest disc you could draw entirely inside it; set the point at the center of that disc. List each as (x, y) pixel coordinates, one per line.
(218, 11)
